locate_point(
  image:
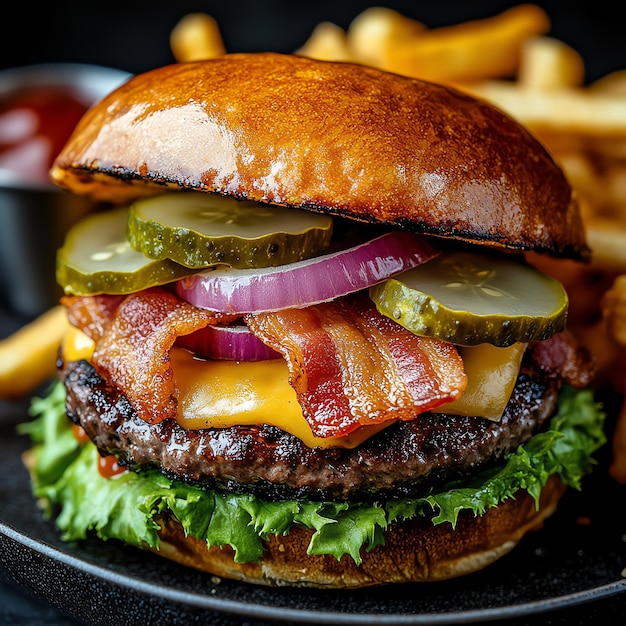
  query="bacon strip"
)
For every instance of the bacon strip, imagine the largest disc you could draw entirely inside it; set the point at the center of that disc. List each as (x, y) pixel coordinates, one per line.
(133, 336)
(563, 357)
(91, 314)
(351, 366)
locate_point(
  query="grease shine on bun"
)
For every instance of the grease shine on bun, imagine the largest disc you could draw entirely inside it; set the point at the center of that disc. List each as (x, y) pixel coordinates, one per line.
(340, 138)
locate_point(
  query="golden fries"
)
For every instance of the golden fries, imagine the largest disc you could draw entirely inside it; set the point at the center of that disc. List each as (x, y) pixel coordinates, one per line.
(196, 37)
(558, 111)
(547, 63)
(613, 83)
(28, 357)
(375, 34)
(473, 50)
(467, 52)
(327, 42)
(614, 310)
(607, 239)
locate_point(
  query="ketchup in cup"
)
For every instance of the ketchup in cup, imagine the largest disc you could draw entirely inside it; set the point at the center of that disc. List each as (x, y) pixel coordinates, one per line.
(35, 123)
(40, 106)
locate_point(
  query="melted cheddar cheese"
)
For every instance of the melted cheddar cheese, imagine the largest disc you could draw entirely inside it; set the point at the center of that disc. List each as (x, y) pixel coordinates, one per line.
(218, 394)
(491, 376)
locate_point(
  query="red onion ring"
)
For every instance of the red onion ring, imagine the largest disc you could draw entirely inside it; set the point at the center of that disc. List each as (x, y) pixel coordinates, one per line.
(228, 343)
(307, 282)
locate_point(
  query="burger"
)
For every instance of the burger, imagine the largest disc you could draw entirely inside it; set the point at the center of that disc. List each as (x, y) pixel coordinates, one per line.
(306, 345)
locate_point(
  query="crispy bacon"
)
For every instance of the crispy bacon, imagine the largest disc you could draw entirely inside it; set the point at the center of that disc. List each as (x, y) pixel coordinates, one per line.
(133, 336)
(351, 366)
(93, 314)
(563, 357)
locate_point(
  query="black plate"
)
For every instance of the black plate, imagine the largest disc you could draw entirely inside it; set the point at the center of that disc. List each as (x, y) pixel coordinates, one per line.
(574, 562)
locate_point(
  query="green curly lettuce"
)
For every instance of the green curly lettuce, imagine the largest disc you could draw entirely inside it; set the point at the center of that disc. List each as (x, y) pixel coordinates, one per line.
(127, 506)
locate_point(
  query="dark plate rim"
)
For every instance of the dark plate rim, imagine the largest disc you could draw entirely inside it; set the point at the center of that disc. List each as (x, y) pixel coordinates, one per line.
(263, 611)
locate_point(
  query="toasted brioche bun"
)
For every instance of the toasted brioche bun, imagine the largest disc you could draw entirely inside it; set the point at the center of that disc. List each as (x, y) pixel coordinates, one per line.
(334, 137)
(414, 550)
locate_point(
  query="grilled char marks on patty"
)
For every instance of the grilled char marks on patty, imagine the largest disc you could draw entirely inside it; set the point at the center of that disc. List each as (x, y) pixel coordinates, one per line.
(402, 459)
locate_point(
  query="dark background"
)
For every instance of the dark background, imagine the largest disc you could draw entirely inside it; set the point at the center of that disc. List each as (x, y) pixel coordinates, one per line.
(134, 36)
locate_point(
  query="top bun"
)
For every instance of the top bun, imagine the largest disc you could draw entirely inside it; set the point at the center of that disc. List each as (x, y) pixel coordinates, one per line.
(334, 137)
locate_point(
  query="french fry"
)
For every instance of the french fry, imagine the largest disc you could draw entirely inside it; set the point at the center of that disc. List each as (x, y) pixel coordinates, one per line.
(607, 239)
(614, 82)
(548, 63)
(328, 42)
(614, 311)
(558, 111)
(374, 34)
(196, 36)
(28, 357)
(615, 179)
(471, 51)
(579, 170)
(599, 178)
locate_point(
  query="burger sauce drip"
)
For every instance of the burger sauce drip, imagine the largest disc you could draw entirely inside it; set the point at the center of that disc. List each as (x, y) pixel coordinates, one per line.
(108, 467)
(79, 434)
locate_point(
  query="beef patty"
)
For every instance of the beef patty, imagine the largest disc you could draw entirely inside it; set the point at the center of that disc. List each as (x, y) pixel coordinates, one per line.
(403, 459)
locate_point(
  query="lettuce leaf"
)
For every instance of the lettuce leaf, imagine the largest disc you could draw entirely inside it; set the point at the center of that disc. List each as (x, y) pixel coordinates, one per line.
(127, 506)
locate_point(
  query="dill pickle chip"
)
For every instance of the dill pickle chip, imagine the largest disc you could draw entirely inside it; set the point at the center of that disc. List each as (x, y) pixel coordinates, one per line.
(97, 258)
(467, 299)
(201, 230)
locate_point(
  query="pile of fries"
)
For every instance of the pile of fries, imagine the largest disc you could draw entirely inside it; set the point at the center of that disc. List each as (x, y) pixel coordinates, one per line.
(511, 60)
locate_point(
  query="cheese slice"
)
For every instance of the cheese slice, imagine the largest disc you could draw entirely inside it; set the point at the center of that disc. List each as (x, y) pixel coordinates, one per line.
(76, 345)
(219, 394)
(491, 376)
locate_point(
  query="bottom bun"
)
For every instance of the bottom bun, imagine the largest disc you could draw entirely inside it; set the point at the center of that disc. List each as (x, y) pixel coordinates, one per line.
(414, 550)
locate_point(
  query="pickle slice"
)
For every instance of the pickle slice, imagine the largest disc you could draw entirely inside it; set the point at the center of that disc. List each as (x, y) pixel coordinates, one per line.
(97, 258)
(200, 230)
(467, 299)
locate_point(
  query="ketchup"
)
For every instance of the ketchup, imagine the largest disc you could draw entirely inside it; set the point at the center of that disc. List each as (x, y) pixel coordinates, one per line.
(35, 123)
(79, 434)
(109, 467)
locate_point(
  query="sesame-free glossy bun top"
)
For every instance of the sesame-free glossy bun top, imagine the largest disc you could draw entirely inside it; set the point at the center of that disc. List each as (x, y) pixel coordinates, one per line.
(334, 137)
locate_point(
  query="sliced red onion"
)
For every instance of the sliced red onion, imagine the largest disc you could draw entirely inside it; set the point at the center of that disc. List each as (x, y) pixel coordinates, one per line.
(229, 343)
(307, 282)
